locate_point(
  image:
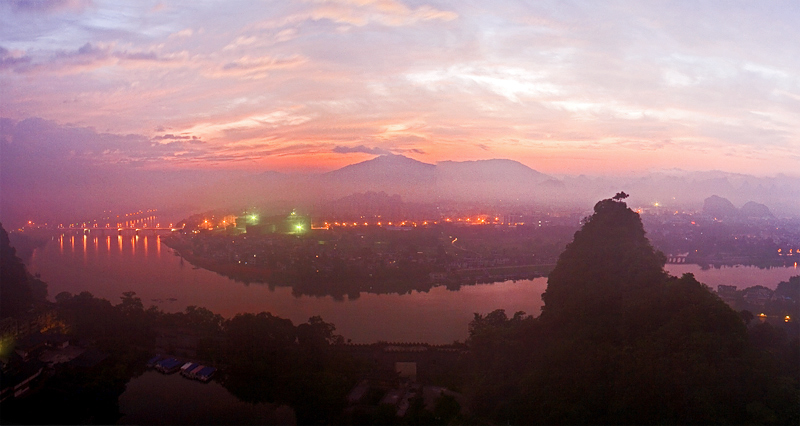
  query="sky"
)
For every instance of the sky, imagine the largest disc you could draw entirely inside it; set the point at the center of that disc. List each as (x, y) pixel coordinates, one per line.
(310, 86)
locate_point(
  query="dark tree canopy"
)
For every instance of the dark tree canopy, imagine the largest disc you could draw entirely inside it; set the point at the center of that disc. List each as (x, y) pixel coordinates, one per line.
(608, 261)
(620, 341)
(19, 291)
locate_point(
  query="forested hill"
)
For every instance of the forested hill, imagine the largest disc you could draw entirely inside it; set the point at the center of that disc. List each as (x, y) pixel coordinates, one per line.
(19, 291)
(620, 341)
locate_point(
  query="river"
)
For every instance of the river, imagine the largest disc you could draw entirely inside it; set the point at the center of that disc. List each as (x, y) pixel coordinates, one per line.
(108, 265)
(157, 399)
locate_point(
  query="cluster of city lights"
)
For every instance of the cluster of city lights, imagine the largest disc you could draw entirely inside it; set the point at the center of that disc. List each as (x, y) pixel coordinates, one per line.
(478, 220)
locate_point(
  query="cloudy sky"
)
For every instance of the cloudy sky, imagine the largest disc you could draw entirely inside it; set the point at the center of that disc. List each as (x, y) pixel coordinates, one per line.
(563, 87)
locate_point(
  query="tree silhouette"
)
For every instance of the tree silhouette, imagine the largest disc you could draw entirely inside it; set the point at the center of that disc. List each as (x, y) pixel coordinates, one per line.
(619, 341)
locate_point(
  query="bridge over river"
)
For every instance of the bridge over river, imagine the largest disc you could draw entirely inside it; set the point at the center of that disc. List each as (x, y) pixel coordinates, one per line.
(119, 230)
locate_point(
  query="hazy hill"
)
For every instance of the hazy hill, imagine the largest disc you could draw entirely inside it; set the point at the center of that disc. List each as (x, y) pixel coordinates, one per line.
(688, 190)
(753, 209)
(43, 192)
(466, 180)
(719, 207)
(481, 181)
(385, 170)
(486, 179)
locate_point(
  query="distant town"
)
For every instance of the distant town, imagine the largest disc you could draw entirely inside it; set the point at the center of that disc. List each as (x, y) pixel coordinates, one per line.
(398, 248)
(373, 242)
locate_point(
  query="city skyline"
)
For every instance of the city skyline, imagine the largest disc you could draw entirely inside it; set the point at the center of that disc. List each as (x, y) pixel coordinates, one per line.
(564, 88)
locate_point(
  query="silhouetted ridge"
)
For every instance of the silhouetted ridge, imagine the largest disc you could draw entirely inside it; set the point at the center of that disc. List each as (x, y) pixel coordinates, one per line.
(390, 167)
(508, 171)
(621, 342)
(608, 259)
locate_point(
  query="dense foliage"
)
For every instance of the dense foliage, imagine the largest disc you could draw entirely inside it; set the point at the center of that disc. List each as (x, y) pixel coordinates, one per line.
(619, 341)
(19, 291)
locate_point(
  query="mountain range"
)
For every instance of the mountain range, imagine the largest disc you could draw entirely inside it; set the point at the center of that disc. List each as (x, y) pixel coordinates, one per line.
(494, 181)
(503, 181)
(511, 182)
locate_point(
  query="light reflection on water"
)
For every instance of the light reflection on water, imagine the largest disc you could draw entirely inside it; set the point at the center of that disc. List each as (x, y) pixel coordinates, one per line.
(157, 276)
(438, 316)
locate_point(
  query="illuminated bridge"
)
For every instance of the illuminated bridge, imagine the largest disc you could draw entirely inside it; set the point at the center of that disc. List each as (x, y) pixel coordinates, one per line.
(120, 229)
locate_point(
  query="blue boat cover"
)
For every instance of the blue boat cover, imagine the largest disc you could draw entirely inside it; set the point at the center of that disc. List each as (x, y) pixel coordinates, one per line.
(206, 372)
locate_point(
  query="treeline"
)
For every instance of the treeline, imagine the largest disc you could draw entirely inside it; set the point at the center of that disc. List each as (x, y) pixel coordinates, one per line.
(265, 358)
(621, 342)
(344, 262)
(20, 292)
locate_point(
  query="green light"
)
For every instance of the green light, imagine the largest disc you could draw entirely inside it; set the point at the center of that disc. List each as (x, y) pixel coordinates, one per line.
(299, 227)
(253, 218)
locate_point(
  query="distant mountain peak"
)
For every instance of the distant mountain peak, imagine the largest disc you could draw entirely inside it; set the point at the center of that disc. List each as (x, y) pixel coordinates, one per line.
(719, 207)
(500, 168)
(385, 160)
(753, 209)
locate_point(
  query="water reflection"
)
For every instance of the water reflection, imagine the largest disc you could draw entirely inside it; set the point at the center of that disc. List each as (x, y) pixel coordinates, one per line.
(155, 398)
(740, 276)
(158, 277)
(436, 316)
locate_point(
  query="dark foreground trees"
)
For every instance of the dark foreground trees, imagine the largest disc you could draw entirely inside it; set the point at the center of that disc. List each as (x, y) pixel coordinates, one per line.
(20, 292)
(621, 342)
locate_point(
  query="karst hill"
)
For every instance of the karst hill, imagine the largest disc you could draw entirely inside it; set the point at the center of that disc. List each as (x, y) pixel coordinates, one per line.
(620, 341)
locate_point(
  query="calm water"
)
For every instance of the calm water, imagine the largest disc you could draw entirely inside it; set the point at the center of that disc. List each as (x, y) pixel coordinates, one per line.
(157, 399)
(740, 276)
(107, 265)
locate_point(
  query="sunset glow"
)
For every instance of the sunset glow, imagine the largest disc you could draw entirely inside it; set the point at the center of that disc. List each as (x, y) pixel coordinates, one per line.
(592, 87)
